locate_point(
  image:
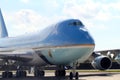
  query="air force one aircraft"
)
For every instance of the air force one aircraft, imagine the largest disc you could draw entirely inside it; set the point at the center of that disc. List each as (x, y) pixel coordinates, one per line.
(64, 44)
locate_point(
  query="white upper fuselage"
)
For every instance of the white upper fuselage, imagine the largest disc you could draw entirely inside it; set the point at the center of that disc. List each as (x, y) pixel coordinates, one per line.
(59, 44)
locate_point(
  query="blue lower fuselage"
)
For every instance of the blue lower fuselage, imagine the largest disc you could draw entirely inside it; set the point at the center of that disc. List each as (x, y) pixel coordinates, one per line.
(62, 43)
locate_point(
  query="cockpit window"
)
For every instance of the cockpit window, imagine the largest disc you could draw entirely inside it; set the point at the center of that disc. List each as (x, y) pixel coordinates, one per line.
(76, 23)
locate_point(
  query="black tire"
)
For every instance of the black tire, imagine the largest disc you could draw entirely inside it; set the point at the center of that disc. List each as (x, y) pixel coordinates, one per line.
(17, 74)
(4, 74)
(39, 73)
(36, 73)
(23, 74)
(77, 75)
(71, 76)
(63, 73)
(9, 74)
(56, 73)
(60, 73)
(42, 73)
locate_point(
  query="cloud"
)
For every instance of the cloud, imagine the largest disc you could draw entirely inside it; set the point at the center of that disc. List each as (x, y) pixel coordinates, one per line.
(27, 20)
(93, 13)
(90, 12)
(90, 9)
(81, 10)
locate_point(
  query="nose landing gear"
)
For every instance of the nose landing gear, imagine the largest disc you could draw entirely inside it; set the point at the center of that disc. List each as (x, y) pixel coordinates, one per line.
(74, 74)
(60, 72)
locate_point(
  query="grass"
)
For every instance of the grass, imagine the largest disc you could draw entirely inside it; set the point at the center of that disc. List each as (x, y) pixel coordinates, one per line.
(93, 70)
(109, 70)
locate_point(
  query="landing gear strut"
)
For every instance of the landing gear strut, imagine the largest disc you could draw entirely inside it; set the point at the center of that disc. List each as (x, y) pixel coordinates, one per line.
(74, 74)
(7, 73)
(60, 72)
(20, 72)
(38, 73)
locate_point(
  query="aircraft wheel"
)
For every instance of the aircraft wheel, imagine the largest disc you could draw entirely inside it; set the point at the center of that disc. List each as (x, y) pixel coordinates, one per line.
(4, 74)
(17, 74)
(21, 73)
(60, 73)
(76, 75)
(9, 74)
(71, 76)
(42, 73)
(39, 73)
(56, 73)
(63, 73)
(36, 73)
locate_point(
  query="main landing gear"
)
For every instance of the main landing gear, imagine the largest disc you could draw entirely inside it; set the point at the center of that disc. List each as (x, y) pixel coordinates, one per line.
(7, 74)
(38, 73)
(20, 72)
(60, 72)
(74, 74)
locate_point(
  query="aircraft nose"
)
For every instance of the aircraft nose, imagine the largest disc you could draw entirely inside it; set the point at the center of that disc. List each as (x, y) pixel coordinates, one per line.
(85, 36)
(70, 32)
(77, 32)
(78, 35)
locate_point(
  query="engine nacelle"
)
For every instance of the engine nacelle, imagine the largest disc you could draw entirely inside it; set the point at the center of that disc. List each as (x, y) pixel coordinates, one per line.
(102, 63)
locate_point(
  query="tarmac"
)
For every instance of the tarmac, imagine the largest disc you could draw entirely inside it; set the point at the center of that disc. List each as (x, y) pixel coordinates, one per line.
(82, 76)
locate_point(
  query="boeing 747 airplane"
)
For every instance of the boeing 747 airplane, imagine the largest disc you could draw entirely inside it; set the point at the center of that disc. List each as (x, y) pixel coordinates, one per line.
(65, 43)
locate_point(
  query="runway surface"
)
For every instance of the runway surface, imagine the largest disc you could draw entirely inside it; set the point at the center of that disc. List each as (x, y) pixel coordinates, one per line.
(82, 76)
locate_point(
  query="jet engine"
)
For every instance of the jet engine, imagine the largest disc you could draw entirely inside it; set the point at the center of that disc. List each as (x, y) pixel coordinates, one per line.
(102, 63)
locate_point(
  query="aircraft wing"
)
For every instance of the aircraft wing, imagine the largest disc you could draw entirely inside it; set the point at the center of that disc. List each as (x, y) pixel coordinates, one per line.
(113, 53)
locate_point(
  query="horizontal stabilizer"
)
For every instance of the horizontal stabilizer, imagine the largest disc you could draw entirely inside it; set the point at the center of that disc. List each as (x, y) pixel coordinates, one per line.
(3, 30)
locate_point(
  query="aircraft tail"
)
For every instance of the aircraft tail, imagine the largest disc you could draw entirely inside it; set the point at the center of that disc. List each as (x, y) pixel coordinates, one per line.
(3, 30)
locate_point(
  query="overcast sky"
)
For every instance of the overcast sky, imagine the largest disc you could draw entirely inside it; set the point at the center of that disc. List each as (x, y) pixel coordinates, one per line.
(101, 17)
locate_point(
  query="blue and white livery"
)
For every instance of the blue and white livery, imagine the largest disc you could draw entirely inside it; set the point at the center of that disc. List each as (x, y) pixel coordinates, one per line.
(65, 43)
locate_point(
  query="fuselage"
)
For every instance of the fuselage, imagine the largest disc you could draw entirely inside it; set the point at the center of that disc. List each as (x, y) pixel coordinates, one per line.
(60, 44)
